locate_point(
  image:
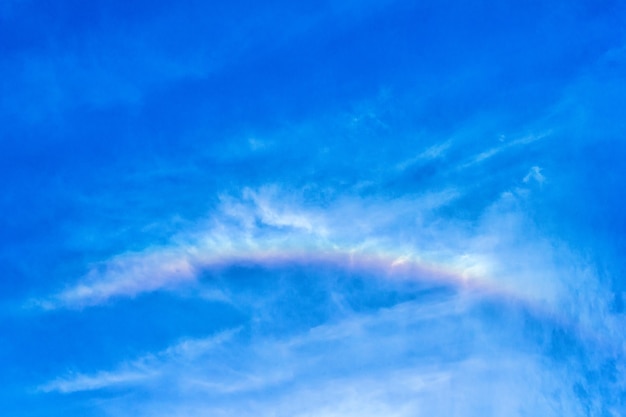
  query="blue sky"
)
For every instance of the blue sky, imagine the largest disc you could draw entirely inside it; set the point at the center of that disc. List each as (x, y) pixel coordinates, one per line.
(312, 208)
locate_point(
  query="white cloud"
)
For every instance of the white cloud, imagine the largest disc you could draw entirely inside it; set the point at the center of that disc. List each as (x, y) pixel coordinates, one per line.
(535, 175)
(127, 275)
(140, 370)
(224, 364)
(268, 226)
(80, 382)
(432, 356)
(489, 153)
(433, 152)
(261, 226)
(269, 213)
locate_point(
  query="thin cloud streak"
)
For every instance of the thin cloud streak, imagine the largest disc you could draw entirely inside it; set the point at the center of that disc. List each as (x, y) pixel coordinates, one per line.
(140, 370)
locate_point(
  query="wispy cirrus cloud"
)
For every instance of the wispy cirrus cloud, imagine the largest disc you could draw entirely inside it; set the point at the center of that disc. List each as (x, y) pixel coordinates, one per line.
(138, 371)
(431, 355)
(257, 227)
(79, 382)
(490, 153)
(268, 226)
